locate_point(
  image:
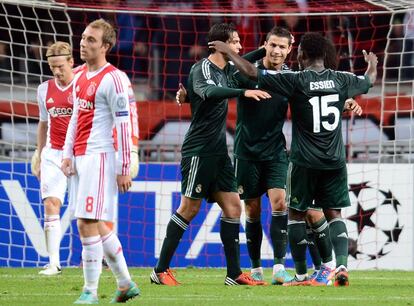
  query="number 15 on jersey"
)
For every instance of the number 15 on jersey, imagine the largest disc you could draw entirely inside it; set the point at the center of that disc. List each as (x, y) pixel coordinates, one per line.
(321, 108)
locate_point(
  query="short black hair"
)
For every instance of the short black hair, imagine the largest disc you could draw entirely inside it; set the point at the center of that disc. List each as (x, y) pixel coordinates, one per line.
(221, 32)
(280, 32)
(313, 45)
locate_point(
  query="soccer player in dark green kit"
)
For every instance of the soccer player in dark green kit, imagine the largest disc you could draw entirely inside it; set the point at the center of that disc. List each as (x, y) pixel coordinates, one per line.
(206, 168)
(261, 161)
(317, 171)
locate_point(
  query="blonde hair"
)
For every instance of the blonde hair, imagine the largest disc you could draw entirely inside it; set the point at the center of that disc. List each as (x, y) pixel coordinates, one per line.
(60, 48)
(109, 34)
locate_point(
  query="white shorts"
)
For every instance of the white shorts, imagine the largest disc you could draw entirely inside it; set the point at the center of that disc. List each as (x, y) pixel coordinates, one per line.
(94, 187)
(53, 183)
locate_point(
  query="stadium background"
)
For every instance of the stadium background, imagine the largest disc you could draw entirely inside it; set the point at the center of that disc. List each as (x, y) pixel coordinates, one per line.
(158, 41)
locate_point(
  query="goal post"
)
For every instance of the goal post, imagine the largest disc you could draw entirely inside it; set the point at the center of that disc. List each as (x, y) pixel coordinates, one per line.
(157, 43)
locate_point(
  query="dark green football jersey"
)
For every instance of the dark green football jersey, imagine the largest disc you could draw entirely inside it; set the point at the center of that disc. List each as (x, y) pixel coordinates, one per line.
(208, 90)
(259, 125)
(316, 102)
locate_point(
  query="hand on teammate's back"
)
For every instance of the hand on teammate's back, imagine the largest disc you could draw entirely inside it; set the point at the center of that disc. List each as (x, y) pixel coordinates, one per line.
(257, 94)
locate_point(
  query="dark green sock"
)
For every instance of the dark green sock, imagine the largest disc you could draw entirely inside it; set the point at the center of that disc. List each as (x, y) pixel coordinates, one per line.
(322, 239)
(339, 237)
(175, 230)
(298, 244)
(254, 236)
(278, 234)
(313, 249)
(229, 234)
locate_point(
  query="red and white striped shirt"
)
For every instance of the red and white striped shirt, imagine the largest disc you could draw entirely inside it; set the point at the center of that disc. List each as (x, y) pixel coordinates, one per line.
(102, 103)
(55, 107)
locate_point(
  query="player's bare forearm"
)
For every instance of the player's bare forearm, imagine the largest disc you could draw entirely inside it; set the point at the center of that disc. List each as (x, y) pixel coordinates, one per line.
(244, 66)
(372, 61)
(41, 135)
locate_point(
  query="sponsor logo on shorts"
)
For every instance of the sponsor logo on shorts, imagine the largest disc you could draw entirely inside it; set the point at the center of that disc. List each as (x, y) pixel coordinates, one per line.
(240, 189)
(199, 188)
(295, 200)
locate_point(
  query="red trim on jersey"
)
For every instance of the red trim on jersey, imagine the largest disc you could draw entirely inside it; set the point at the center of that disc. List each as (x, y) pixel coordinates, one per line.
(100, 200)
(126, 149)
(117, 81)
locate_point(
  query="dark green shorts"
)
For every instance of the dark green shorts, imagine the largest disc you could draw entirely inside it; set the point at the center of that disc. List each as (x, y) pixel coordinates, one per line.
(203, 176)
(254, 178)
(311, 188)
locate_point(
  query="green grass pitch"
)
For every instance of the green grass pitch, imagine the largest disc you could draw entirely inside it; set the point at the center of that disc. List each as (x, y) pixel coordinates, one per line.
(205, 287)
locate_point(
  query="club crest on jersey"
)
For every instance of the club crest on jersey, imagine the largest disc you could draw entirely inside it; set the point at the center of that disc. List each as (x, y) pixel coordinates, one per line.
(91, 89)
(70, 98)
(50, 100)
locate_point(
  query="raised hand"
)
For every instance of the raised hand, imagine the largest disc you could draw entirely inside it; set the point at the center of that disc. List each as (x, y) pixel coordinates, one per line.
(181, 94)
(370, 57)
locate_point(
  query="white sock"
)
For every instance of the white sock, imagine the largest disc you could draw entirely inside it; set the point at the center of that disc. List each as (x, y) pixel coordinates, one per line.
(258, 269)
(301, 277)
(92, 254)
(277, 268)
(115, 258)
(341, 267)
(329, 264)
(52, 234)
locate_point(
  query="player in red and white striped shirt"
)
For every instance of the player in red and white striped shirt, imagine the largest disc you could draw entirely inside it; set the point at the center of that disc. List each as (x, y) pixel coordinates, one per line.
(55, 109)
(101, 103)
